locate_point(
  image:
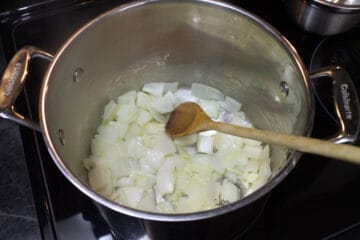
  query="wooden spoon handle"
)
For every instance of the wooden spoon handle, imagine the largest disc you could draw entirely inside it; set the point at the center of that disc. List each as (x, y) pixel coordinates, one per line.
(303, 144)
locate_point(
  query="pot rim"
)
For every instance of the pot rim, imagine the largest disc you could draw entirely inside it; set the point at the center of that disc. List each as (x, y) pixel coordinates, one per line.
(351, 8)
(293, 157)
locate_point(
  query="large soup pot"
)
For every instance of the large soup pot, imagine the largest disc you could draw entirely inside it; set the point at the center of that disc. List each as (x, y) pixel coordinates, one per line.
(203, 41)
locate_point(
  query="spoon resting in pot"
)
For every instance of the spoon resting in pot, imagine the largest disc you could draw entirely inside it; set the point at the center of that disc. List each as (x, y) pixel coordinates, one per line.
(189, 118)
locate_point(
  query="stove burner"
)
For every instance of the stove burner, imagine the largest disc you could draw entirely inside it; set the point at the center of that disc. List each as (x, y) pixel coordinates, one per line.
(341, 50)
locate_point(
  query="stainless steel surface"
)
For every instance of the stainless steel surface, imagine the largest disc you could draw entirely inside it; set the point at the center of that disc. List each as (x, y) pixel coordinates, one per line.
(346, 103)
(324, 17)
(12, 81)
(187, 41)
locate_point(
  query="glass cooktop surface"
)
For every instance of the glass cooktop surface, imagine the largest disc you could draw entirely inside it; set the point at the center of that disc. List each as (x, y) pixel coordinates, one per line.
(318, 200)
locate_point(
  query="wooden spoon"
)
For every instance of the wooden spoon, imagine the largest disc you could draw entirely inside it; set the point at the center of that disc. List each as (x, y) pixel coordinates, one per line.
(189, 118)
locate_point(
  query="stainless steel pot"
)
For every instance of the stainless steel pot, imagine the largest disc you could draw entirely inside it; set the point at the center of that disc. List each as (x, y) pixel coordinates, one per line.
(324, 17)
(202, 41)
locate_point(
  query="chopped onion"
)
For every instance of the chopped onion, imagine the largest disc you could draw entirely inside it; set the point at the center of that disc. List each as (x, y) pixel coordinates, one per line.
(171, 87)
(163, 143)
(229, 192)
(164, 104)
(135, 163)
(113, 131)
(109, 112)
(127, 98)
(210, 107)
(231, 105)
(206, 92)
(185, 141)
(143, 100)
(125, 181)
(204, 144)
(100, 180)
(133, 131)
(184, 95)
(165, 179)
(127, 113)
(136, 149)
(144, 116)
(154, 88)
(132, 195)
(155, 158)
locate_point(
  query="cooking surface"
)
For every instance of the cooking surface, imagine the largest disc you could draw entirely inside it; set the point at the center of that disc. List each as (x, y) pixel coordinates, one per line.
(318, 200)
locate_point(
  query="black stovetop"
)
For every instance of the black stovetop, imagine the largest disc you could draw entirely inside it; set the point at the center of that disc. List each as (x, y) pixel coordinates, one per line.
(318, 200)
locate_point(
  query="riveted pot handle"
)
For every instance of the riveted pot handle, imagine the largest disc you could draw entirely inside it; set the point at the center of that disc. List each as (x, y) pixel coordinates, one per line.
(346, 102)
(13, 80)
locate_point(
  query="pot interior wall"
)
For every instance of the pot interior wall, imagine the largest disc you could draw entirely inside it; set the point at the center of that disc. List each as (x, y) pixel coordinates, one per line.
(174, 41)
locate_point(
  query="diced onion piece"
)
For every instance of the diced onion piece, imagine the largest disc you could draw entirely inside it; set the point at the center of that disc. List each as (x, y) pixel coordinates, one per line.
(165, 207)
(229, 192)
(147, 203)
(224, 141)
(144, 117)
(264, 172)
(250, 142)
(238, 118)
(195, 195)
(185, 141)
(252, 152)
(126, 113)
(251, 177)
(127, 98)
(132, 195)
(119, 163)
(109, 112)
(145, 180)
(217, 166)
(204, 144)
(143, 100)
(208, 133)
(231, 176)
(154, 88)
(160, 118)
(124, 182)
(252, 166)
(100, 180)
(190, 150)
(153, 128)
(230, 104)
(113, 131)
(210, 107)
(155, 158)
(136, 149)
(183, 95)
(102, 147)
(88, 163)
(165, 178)
(163, 143)
(164, 104)
(133, 131)
(202, 164)
(145, 167)
(206, 92)
(231, 159)
(171, 87)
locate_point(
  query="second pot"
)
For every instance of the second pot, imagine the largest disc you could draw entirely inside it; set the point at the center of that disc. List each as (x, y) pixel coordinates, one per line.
(324, 17)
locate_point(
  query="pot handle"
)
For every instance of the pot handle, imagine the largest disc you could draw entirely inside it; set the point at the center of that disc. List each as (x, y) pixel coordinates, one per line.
(13, 80)
(346, 102)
